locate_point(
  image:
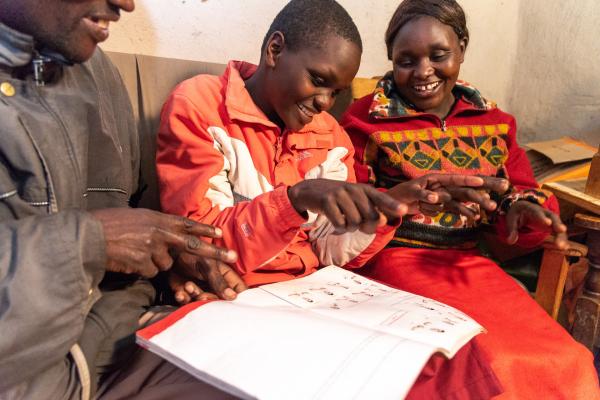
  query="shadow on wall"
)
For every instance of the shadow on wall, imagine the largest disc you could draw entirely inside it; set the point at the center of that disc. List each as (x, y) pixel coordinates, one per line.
(555, 87)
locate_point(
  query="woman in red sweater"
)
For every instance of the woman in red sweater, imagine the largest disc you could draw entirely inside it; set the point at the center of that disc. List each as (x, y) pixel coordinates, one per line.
(422, 120)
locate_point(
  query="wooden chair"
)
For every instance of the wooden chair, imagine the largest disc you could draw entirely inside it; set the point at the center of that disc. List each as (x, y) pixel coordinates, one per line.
(586, 328)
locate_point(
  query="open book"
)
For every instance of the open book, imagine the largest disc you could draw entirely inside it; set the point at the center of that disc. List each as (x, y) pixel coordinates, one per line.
(330, 335)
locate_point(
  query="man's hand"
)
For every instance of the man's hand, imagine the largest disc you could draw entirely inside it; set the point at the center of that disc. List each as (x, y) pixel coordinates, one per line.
(223, 282)
(140, 241)
(349, 206)
(432, 193)
(524, 213)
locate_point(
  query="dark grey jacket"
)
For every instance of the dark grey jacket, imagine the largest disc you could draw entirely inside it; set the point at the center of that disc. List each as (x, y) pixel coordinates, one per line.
(66, 147)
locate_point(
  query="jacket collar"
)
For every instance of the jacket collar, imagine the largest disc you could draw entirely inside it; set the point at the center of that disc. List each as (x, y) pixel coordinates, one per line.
(388, 103)
(240, 106)
(18, 49)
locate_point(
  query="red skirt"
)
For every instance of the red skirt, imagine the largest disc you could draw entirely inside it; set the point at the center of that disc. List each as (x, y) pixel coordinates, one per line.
(532, 355)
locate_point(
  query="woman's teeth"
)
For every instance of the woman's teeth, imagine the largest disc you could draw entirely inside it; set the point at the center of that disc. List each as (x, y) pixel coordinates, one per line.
(430, 86)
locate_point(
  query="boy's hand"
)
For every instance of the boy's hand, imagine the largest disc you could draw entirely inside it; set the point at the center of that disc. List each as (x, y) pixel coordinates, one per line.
(140, 241)
(524, 213)
(349, 206)
(223, 282)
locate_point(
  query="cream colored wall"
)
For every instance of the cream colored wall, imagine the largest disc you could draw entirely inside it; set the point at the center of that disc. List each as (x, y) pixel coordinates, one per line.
(514, 44)
(219, 30)
(555, 85)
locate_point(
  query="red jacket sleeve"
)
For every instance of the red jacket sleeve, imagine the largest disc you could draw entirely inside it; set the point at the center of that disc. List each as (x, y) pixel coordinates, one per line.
(193, 182)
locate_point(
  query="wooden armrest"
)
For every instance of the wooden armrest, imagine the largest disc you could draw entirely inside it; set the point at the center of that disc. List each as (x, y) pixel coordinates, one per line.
(553, 274)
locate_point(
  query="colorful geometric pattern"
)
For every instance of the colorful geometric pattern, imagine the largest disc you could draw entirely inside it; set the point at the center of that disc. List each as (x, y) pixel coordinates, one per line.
(479, 149)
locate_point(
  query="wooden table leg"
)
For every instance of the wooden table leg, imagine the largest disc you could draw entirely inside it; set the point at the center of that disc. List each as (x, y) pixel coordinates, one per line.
(586, 329)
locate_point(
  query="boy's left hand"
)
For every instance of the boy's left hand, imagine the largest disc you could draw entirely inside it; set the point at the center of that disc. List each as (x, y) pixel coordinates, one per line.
(222, 280)
(524, 213)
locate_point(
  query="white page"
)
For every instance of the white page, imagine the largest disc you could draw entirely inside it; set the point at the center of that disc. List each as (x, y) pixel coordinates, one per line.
(271, 353)
(344, 295)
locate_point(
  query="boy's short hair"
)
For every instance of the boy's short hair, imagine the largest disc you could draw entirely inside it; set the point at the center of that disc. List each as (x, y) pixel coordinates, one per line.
(304, 23)
(448, 12)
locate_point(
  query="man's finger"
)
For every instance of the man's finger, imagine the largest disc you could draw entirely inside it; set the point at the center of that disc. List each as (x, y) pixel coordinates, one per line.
(192, 244)
(162, 259)
(185, 225)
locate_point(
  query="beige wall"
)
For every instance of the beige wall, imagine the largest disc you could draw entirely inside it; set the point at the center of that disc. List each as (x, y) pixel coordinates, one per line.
(555, 85)
(548, 49)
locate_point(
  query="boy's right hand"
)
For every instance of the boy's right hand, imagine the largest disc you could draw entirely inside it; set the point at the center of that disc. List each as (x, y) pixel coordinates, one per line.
(348, 206)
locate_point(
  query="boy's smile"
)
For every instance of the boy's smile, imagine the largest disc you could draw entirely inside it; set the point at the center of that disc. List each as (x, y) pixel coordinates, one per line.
(427, 56)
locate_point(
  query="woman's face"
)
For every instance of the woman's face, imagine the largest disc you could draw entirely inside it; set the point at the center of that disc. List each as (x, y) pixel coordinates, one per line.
(427, 55)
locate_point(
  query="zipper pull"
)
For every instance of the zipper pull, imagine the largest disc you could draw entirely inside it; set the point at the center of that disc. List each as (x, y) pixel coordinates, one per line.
(444, 125)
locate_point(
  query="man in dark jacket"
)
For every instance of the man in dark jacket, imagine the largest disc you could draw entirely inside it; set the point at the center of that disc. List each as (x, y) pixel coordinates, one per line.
(74, 257)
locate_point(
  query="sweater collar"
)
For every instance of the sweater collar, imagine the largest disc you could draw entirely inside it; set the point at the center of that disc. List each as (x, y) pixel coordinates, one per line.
(388, 103)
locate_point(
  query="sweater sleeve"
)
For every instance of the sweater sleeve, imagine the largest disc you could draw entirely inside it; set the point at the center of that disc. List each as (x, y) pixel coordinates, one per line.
(193, 179)
(523, 187)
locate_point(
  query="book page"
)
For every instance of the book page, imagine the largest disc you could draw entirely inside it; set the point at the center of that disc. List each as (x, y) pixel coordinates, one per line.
(261, 347)
(344, 295)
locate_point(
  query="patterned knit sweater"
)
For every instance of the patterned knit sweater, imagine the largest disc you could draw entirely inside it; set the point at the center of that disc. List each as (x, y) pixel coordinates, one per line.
(394, 143)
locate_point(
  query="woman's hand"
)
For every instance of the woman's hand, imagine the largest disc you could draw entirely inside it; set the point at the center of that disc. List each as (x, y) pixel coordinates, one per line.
(430, 194)
(524, 213)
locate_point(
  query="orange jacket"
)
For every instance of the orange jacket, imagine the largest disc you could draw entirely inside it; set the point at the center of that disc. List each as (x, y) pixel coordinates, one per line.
(221, 161)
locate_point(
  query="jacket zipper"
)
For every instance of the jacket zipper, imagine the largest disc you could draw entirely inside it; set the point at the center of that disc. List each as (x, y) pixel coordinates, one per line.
(444, 128)
(69, 143)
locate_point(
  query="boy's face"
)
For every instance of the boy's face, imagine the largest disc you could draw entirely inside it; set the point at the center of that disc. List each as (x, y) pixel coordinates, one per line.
(71, 27)
(304, 82)
(427, 56)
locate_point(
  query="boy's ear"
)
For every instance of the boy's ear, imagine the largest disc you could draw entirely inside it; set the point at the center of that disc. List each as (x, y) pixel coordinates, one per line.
(274, 48)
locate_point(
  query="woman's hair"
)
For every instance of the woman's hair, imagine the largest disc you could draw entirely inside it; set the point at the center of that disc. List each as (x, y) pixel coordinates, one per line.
(448, 12)
(304, 23)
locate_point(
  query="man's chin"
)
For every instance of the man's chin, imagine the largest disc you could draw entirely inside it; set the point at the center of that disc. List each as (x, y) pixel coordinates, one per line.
(79, 54)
